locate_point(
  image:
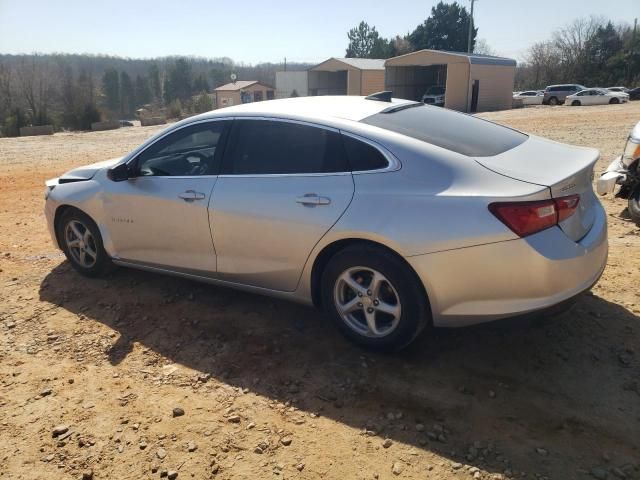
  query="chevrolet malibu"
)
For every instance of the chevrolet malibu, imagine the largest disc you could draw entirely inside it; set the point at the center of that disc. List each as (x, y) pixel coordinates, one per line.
(389, 215)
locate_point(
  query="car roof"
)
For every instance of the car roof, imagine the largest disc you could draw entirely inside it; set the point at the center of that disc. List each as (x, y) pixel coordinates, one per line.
(319, 108)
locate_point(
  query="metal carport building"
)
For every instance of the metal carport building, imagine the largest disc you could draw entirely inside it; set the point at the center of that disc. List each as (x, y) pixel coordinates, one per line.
(474, 82)
(347, 76)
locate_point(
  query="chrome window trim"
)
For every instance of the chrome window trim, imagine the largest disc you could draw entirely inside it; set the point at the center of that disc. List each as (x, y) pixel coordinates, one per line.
(393, 162)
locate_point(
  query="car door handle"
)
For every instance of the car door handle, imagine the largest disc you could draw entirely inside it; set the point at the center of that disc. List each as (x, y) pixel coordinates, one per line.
(313, 199)
(191, 195)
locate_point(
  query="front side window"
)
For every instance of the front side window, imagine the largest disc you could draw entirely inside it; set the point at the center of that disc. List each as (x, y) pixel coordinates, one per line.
(263, 147)
(189, 151)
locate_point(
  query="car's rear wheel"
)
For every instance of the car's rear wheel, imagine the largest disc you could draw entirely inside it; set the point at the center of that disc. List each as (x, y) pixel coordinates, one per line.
(553, 101)
(374, 298)
(634, 204)
(81, 242)
(575, 103)
(613, 101)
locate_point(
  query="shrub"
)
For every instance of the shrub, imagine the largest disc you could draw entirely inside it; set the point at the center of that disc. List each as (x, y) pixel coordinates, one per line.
(174, 110)
(203, 103)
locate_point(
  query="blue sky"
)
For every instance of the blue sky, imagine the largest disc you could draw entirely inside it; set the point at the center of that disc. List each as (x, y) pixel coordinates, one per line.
(252, 32)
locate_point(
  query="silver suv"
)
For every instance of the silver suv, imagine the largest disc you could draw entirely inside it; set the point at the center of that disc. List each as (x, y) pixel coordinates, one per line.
(555, 94)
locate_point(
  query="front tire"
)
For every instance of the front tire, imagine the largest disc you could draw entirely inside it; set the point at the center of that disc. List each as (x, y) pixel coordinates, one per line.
(614, 101)
(374, 298)
(575, 103)
(634, 204)
(553, 101)
(81, 242)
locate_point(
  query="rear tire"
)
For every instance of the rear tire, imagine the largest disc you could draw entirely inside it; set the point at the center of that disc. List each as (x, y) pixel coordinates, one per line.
(634, 204)
(576, 103)
(374, 298)
(80, 240)
(553, 101)
(614, 101)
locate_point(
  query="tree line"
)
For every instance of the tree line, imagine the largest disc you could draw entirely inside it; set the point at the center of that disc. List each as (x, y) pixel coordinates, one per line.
(446, 28)
(590, 51)
(73, 91)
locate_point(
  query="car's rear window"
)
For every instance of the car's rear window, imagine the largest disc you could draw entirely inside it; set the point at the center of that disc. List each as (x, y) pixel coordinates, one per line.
(444, 128)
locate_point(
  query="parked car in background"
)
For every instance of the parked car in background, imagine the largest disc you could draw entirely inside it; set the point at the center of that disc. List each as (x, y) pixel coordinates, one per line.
(556, 94)
(596, 96)
(618, 89)
(634, 93)
(529, 97)
(624, 172)
(434, 96)
(382, 212)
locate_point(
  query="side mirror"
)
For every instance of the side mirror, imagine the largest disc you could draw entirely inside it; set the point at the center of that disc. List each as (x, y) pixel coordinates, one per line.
(119, 173)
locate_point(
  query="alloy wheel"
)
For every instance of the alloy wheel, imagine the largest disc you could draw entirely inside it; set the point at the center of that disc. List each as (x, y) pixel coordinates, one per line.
(81, 244)
(367, 302)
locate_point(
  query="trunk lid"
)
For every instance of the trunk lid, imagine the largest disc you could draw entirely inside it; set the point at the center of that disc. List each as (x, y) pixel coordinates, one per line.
(564, 169)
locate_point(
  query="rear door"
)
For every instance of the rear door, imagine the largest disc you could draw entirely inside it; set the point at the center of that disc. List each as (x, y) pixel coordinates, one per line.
(284, 184)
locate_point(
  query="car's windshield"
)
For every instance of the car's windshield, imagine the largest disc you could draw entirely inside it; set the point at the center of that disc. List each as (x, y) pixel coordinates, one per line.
(435, 90)
(444, 128)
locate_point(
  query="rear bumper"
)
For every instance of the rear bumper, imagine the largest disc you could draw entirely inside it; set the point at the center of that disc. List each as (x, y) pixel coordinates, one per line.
(505, 279)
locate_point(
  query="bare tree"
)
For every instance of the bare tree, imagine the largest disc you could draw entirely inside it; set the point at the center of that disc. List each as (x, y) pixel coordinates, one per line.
(571, 41)
(483, 48)
(6, 93)
(33, 77)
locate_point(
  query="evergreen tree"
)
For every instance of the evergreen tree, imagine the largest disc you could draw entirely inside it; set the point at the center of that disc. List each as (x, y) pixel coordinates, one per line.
(445, 29)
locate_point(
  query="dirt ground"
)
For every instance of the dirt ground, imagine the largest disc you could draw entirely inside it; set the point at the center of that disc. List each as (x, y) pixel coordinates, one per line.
(270, 390)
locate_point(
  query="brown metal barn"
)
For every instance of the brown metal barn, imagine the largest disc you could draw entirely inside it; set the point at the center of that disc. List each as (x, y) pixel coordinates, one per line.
(347, 76)
(474, 83)
(243, 91)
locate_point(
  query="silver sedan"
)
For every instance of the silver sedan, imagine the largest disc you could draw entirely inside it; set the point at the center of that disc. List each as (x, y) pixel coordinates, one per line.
(390, 215)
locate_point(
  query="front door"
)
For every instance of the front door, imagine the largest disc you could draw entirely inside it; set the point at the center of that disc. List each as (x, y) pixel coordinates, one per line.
(160, 217)
(284, 184)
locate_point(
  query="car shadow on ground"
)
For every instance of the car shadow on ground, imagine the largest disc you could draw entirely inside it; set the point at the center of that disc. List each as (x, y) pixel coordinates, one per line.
(546, 394)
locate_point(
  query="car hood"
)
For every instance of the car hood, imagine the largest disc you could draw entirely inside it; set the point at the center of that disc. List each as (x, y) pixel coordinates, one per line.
(88, 171)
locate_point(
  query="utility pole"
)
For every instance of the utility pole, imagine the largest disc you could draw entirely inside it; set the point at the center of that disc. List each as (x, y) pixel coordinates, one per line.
(469, 49)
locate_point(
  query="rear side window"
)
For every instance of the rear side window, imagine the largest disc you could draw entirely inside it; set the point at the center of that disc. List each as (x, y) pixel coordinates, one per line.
(454, 131)
(362, 156)
(262, 147)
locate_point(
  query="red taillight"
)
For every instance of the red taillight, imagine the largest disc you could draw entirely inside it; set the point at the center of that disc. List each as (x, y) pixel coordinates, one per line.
(567, 206)
(526, 218)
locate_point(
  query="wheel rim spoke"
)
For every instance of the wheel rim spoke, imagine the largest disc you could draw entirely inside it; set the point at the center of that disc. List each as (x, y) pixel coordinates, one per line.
(371, 322)
(355, 286)
(74, 229)
(388, 308)
(350, 306)
(376, 283)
